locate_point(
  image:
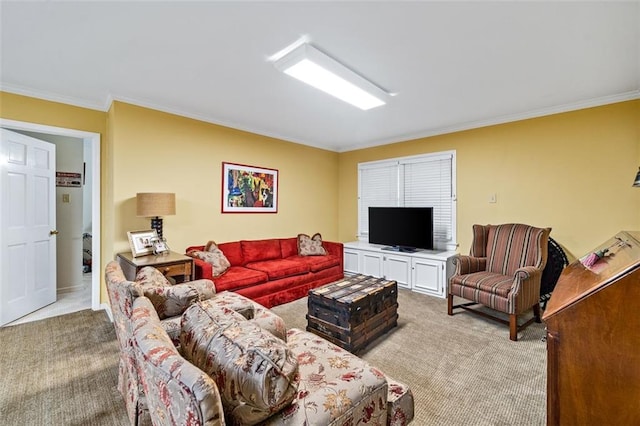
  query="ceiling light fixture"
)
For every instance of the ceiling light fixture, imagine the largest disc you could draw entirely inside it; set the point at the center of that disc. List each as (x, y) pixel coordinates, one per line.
(310, 65)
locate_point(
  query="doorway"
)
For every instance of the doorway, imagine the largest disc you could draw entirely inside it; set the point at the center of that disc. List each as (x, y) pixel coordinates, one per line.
(91, 142)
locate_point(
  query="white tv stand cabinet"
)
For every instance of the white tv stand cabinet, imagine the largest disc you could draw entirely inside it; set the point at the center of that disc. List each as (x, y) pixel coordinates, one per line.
(424, 271)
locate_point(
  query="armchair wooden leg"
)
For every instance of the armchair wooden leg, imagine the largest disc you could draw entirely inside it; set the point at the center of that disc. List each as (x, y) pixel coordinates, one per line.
(513, 327)
(536, 312)
(450, 304)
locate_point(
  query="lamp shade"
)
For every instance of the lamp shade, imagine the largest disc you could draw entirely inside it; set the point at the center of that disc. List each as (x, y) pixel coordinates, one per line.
(636, 182)
(150, 204)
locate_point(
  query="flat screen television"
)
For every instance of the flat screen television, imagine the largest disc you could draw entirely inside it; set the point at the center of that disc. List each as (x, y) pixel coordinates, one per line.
(401, 228)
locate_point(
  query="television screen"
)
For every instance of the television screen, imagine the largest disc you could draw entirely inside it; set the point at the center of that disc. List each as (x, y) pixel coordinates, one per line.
(403, 228)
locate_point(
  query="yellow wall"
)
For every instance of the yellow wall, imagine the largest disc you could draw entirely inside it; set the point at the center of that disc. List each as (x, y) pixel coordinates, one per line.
(572, 172)
(32, 110)
(159, 152)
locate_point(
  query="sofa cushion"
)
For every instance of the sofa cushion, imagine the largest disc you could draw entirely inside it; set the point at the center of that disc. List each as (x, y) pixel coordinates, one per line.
(317, 263)
(280, 268)
(205, 288)
(215, 257)
(257, 250)
(204, 315)
(250, 310)
(238, 277)
(233, 252)
(487, 282)
(289, 247)
(256, 373)
(149, 276)
(170, 301)
(310, 246)
(231, 300)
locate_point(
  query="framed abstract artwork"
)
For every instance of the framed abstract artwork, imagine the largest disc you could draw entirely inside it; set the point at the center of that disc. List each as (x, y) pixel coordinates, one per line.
(249, 189)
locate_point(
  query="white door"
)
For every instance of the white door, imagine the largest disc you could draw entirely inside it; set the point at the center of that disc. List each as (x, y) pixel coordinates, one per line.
(27, 225)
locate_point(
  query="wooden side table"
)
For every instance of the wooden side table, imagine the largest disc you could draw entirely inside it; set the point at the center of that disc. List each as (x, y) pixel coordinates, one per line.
(176, 267)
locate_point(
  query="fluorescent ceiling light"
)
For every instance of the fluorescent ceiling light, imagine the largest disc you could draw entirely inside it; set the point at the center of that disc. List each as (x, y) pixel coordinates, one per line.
(308, 64)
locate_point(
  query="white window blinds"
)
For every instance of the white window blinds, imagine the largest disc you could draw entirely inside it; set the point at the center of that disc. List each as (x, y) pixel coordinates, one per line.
(377, 186)
(420, 181)
(427, 183)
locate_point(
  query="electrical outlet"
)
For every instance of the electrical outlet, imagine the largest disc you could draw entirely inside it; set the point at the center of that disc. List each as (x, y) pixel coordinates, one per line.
(65, 198)
(493, 198)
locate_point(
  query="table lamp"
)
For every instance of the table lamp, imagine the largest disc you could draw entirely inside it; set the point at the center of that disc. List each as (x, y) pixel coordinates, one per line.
(155, 205)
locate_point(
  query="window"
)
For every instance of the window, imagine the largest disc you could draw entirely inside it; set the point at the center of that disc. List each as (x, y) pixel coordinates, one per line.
(418, 181)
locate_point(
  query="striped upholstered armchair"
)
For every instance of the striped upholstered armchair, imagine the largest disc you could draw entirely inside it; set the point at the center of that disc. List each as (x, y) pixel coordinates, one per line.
(503, 272)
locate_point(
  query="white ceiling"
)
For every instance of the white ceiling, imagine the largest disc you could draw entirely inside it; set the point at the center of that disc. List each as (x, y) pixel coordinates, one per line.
(454, 65)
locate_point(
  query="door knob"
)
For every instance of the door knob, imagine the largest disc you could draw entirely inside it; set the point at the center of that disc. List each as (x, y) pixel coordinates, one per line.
(54, 232)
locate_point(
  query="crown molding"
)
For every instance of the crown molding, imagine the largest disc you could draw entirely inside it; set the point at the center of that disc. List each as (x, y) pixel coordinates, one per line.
(110, 98)
(230, 124)
(53, 97)
(574, 106)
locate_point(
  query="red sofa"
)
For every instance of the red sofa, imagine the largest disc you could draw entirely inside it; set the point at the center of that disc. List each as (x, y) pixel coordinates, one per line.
(271, 272)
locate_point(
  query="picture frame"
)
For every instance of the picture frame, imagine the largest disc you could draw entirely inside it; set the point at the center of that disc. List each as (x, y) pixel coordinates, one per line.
(160, 246)
(249, 189)
(141, 242)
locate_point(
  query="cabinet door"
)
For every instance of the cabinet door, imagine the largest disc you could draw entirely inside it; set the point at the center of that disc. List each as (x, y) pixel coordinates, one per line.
(351, 261)
(398, 268)
(371, 263)
(427, 277)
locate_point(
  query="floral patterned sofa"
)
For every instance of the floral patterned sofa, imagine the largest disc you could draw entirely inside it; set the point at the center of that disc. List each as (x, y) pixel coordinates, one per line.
(272, 271)
(169, 302)
(231, 371)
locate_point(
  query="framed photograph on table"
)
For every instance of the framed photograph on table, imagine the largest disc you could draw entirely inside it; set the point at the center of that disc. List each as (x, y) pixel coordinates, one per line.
(249, 189)
(141, 242)
(160, 246)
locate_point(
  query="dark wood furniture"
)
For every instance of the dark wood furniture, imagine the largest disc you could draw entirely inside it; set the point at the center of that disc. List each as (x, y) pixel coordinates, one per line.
(353, 311)
(176, 267)
(593, 339)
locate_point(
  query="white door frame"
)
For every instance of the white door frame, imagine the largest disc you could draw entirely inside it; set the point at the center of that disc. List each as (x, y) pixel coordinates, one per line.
(94, 139)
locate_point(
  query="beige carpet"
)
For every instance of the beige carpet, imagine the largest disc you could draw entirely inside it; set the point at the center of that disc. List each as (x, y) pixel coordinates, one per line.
(463, 370)
(61, 371)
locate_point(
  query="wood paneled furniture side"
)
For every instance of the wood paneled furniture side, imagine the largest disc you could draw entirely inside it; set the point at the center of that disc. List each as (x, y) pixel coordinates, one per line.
(593, 361)
(176, 267)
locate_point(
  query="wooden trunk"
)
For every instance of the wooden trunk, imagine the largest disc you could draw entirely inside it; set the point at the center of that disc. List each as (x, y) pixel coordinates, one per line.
(353, 311)
(593, 339)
